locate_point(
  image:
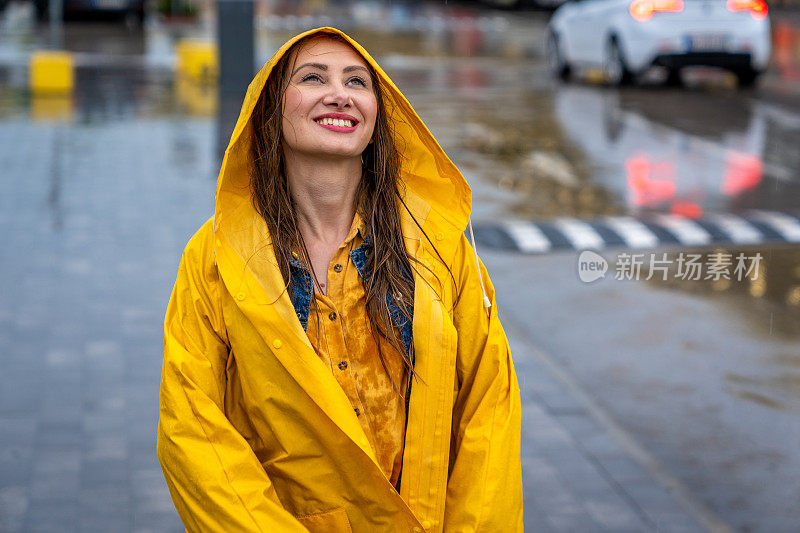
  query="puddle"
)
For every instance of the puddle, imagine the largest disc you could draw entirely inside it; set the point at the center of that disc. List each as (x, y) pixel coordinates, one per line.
(764, 299)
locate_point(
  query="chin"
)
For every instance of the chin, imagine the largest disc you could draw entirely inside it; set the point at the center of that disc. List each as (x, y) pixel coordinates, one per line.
(343, 152)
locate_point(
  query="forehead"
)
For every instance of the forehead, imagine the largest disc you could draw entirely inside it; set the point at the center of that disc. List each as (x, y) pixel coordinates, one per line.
(328, 51)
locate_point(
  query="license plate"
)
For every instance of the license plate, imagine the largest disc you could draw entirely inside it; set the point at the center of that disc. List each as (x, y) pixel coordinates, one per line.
(706, 43)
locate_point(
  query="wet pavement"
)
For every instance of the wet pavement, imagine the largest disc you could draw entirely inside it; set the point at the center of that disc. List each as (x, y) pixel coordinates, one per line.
(649, 405)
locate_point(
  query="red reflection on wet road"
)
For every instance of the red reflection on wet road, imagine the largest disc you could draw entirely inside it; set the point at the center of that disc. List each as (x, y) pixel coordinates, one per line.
(652, 182)
(786, 50)
(646, 189)
(742, 172)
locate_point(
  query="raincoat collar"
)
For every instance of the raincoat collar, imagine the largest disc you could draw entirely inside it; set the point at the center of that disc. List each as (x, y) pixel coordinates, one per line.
(435, 196)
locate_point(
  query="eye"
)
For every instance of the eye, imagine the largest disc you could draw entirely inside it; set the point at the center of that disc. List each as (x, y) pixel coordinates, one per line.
(358, 79)
(311, 76)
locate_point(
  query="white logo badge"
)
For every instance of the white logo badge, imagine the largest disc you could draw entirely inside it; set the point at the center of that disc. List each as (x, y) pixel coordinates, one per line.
(591, 266)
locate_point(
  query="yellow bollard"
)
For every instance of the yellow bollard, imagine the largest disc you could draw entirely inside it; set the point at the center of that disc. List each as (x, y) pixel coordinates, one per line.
(51, 72)
(197, 60)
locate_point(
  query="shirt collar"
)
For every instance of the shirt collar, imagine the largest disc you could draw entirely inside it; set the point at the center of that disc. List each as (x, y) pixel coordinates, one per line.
(357, 227)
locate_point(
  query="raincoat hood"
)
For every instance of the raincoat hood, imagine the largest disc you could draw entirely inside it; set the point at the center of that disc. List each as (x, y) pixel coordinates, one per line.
(435, 191)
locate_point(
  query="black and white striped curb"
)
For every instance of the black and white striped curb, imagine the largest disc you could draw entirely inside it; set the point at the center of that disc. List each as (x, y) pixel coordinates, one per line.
(654, 231)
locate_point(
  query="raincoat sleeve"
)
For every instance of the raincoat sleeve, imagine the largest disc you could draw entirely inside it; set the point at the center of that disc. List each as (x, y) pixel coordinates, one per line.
(215, 479)
(484, 490)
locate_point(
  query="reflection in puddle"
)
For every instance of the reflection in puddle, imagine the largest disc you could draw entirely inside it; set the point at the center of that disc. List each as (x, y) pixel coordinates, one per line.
(103, 96)
(532, 158)
(686, 153)
(585, 151)
(766, 298)
(643, 151)
(196, 99)
(52, 108)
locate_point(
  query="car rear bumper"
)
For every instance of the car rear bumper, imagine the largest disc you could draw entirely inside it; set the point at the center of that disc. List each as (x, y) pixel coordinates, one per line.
(710, 59)
(748, 41)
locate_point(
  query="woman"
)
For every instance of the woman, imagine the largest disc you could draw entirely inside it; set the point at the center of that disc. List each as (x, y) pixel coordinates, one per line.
(333, 357)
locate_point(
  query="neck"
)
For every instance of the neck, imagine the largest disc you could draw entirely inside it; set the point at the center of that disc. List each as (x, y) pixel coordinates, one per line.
(324, 193)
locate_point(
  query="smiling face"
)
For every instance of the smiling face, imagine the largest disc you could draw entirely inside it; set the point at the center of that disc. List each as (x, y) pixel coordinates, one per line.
(329, 107)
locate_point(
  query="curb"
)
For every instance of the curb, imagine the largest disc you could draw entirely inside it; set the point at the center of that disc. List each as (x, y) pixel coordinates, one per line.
(654, 231)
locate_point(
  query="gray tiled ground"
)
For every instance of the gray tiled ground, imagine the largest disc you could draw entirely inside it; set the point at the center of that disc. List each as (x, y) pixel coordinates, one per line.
(94, 217)
(577, 478)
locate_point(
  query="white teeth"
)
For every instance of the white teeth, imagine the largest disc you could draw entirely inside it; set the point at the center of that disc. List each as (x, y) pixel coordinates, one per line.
(342, 123)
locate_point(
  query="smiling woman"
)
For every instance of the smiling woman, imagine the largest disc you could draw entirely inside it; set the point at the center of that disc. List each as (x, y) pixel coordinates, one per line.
(333, 356)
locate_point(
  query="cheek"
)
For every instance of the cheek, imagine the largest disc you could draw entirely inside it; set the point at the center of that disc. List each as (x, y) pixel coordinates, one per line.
(370, 111)
(292, 103)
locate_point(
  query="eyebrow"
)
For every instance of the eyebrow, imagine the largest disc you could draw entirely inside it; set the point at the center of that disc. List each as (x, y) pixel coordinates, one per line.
(321, 66)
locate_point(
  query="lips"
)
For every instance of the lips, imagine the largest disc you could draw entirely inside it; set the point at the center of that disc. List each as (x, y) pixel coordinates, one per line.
(338, 120)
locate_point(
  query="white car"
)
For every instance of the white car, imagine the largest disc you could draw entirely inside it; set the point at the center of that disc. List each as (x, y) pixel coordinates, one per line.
(626, 37)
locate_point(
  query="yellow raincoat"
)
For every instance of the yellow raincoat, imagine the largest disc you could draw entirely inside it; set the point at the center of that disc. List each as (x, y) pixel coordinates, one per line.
(255, 434)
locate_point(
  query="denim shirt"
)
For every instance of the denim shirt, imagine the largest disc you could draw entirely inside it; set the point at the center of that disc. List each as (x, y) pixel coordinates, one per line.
(301, 297)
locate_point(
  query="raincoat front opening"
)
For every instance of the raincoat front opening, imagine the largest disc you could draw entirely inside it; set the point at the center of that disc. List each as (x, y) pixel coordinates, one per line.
(255, 434)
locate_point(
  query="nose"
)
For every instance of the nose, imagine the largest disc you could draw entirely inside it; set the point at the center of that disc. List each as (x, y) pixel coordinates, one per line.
(337, 96)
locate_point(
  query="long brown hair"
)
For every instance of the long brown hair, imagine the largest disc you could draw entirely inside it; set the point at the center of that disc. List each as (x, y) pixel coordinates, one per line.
(377, 195)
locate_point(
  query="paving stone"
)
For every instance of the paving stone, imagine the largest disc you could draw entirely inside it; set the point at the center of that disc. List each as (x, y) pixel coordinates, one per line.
(599, 444)
(560, 402)
(13, 504)
(623, 469)
(56, 435)
(51, 516)
(145, 522)
(653, 497)
(106, 474)
(579, 424)
(564, 511)
(680, 523)
(614, 514)
(15, 466)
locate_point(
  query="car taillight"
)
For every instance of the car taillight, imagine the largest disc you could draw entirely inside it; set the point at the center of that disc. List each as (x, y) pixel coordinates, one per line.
(643, 10)
(757, 8)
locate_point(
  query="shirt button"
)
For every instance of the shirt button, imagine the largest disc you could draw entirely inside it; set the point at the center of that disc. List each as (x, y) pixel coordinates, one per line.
(426, 524)
(241, 296)
(277, 343)
(358, 413)
(440, 236)
(416, 530)
(332, 316)
(337, 267)
(342, 365)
